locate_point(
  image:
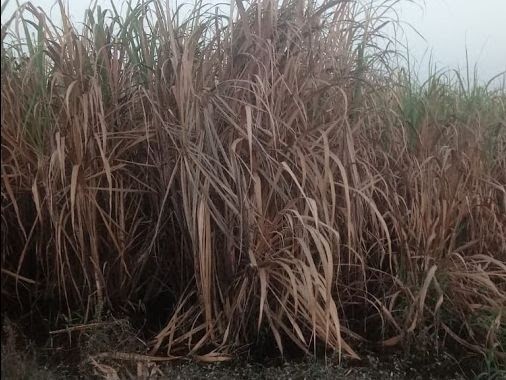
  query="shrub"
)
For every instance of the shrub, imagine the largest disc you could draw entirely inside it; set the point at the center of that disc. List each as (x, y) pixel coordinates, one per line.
(268, 170)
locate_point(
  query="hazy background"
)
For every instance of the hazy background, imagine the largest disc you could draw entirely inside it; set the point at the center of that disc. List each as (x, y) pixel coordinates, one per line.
(448, 26)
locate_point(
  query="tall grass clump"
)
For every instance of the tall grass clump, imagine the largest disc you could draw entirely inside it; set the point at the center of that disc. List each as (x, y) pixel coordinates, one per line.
(250, 168)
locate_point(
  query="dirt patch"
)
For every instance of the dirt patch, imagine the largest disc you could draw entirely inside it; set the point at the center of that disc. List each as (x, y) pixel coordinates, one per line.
(84, 358)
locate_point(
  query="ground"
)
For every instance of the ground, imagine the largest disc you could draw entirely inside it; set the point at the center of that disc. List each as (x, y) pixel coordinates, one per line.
(25, 365)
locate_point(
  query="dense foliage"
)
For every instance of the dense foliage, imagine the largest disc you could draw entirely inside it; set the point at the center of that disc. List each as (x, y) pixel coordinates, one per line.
(274, 172)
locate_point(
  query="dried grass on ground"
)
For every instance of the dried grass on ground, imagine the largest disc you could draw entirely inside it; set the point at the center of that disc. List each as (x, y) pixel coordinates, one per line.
(275, 174)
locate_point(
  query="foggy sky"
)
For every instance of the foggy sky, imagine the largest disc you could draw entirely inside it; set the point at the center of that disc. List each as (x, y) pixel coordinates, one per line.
(448, 27)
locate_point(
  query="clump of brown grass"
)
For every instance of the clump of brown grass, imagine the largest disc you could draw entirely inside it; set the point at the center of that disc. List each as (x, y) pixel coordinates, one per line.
(262, 168)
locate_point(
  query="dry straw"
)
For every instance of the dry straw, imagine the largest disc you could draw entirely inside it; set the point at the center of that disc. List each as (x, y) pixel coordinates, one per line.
(270, 172)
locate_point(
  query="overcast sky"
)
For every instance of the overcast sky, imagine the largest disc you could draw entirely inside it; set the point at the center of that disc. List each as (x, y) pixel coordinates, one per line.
(448, 26)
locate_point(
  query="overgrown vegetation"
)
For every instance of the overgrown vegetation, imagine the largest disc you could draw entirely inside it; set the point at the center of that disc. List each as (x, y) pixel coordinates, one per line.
(258, 167)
